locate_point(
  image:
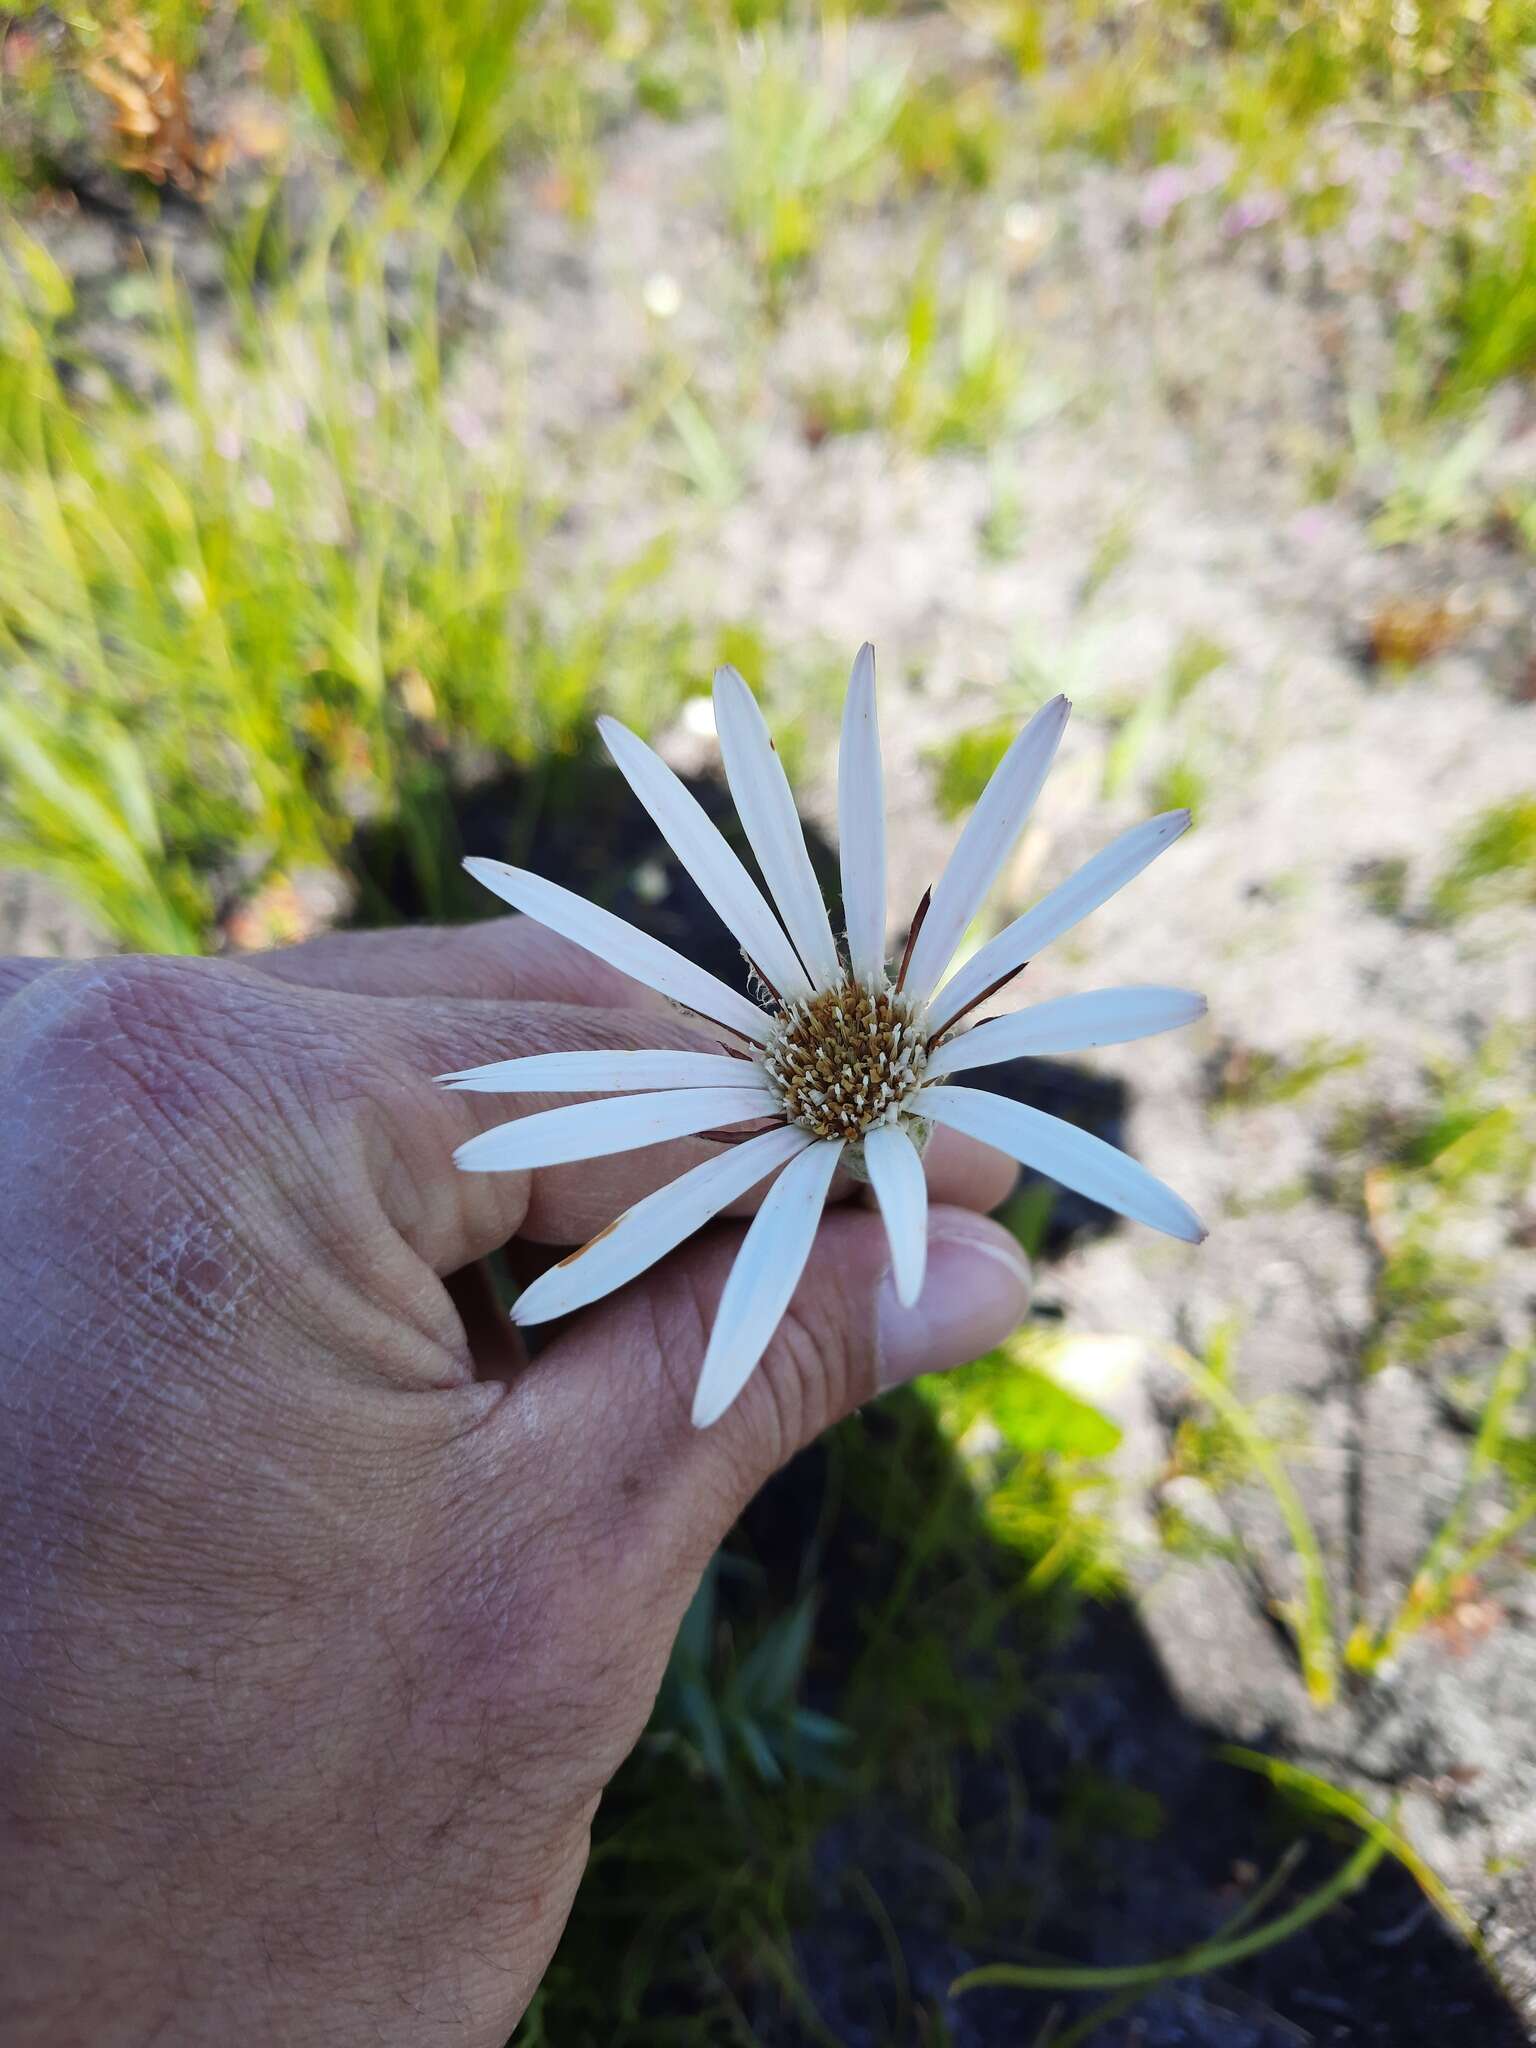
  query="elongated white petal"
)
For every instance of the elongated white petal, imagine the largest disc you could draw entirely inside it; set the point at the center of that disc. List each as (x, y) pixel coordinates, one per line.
(1094, 883)
(1075, 1158)
(601, 1072)
(656, 1226)
(728, 888)
(986, 842)
(1106, 1016)
(593, 1130)
(861, 821)
(767, 1271)
(896, 1175)
(632, 952)
(766, 807)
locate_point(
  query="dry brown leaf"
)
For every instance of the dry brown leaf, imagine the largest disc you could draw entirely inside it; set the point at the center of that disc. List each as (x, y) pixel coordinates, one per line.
(156, 138)
(1377, 1188)
(1409, 630)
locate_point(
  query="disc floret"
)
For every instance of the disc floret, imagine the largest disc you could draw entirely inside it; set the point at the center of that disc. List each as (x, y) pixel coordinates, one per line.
(847, 1058)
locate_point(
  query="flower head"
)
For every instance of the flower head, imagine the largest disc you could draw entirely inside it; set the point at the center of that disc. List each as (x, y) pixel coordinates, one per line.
(840, 1062)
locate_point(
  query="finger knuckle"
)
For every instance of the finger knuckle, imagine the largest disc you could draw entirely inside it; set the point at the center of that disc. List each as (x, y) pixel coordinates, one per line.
(119, 1034)
(188, 1047)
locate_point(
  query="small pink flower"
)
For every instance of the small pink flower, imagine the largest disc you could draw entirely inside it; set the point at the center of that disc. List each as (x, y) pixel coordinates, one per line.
(1164, 191)
(1253, 210)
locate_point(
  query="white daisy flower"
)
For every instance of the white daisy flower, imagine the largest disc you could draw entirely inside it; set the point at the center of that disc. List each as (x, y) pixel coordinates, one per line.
(841, 1063)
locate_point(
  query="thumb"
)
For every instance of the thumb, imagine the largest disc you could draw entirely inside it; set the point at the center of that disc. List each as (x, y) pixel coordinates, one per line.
(625, 1372)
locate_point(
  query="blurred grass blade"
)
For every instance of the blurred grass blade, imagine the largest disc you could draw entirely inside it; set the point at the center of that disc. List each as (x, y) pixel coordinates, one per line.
(1312, 1626)
(1333, 1799)
(1218, 1954)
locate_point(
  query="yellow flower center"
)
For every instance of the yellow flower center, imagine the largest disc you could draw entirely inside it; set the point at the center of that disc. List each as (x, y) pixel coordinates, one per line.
(846, 1059)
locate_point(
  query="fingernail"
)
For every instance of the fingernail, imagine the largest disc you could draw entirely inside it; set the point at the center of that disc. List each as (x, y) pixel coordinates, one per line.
(976, 1292)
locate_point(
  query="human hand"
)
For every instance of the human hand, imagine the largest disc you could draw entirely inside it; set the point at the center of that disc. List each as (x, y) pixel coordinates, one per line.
(325, 1615)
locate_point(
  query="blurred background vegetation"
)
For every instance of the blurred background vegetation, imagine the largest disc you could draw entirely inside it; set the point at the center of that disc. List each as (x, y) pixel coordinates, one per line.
(314, 544)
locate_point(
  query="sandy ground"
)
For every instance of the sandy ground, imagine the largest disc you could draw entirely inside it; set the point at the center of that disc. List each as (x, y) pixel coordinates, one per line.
(1173, 396)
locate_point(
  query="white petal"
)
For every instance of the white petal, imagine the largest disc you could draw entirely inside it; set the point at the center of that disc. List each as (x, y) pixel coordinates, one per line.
(632, 952)
(656, 1226)
(602, 1072)
(896, 1175)
(593, 1130)
(861, 822)
(1094, 883)
(766, 807)
(729, 890)
(986, 842)
(1075, 1158)
(1106, 1016)
(766, 1273)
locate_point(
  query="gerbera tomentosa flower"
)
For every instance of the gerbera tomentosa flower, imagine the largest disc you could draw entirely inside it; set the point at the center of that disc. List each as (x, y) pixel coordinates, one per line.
(842, 1063)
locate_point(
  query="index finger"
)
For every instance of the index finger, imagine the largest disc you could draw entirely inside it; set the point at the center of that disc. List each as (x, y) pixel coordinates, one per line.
(452, 1215)
(510, 957)
(520, 960)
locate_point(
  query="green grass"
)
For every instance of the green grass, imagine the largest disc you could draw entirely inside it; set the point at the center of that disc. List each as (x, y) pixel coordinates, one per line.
(964, 765)
(257, 603)
(1494, 863)
(1310, 1618)
(1235, 1448)
(972, 1563)
(1254, 1079)
(1268, 83)
(1316, 1795)
(1157, 737)
(404, 85)
(1452, 1558)
(1219, 1953)
(1259, 72)
(961, 379)
(946, 371)
(1418, 1185)
(805, 133)
(1490, 298)
(951, 133)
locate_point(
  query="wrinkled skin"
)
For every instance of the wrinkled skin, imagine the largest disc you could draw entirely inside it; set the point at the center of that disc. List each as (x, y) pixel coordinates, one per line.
(325, 1616)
